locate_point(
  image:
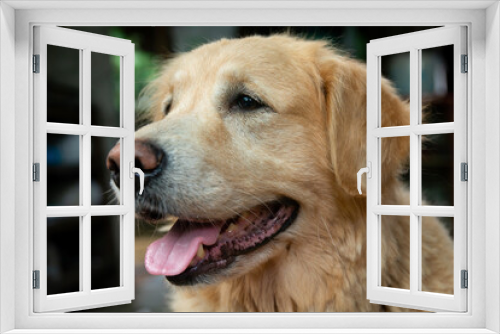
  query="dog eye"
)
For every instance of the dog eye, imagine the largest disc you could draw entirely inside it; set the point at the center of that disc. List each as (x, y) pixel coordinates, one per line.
(167, 104)
(246, 103)
(166, 108)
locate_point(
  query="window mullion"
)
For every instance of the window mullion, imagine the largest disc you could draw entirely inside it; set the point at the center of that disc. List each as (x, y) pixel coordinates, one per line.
(414, 172)
(422, 211)
(85, 252)
(85, 247)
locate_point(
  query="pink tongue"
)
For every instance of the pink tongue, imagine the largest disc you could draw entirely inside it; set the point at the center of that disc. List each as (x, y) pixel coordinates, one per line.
(172, 254)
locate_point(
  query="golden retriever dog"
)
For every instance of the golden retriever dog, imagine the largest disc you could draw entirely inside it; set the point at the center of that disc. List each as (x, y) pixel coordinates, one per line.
(253, 145)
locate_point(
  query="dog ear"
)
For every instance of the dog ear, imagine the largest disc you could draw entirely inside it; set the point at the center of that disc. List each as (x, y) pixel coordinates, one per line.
(344, 85)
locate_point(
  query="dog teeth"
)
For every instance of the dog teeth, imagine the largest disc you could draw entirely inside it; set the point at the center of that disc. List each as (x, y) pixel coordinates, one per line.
(231, 228)
(169, 222)
(171, 219)
(201, 252)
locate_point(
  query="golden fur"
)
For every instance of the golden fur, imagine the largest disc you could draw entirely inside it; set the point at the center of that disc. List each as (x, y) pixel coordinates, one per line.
(308, 148)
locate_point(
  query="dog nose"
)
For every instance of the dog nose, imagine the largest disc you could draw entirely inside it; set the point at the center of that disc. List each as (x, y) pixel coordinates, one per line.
(113, 161)
(148, 157)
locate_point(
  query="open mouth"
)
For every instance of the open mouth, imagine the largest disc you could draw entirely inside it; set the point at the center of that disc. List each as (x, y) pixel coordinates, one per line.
(196, 248)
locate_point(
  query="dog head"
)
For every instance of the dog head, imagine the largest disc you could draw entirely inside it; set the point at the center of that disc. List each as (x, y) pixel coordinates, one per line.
(250, 141)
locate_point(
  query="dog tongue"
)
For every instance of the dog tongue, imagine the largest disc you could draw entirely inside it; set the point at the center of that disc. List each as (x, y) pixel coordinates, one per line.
(172, 254)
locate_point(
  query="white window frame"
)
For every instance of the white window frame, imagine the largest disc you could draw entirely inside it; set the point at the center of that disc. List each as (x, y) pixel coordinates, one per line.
(16, 22)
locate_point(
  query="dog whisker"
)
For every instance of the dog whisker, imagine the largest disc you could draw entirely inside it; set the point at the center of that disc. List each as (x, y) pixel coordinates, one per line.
(257, 198)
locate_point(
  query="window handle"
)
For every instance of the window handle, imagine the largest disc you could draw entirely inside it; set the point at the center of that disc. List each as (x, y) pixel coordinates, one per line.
(137, 171)
(368, 171)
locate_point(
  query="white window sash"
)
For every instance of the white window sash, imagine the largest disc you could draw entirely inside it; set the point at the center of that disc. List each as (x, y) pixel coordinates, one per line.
(414, 297)
(86, 43)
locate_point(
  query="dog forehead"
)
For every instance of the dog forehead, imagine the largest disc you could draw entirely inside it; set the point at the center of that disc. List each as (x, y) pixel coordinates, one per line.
(280, 70)
(261, 60)
(251, 53)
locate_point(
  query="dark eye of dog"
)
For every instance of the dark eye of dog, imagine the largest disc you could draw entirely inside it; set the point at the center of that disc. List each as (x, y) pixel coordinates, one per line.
(166, 108)
(246, 103)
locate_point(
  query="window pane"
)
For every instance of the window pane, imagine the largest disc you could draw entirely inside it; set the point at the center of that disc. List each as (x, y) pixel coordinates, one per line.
(394, 170)
(395, 68)
(63, 170)
(105, 80)
(105, 253)
(102, 190)
(395, 252)
(63, 85)
(63, 255)
(437, 255)
(437, 84)
(437, 169)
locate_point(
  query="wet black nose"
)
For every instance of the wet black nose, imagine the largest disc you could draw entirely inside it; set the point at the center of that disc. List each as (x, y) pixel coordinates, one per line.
(148, 157)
